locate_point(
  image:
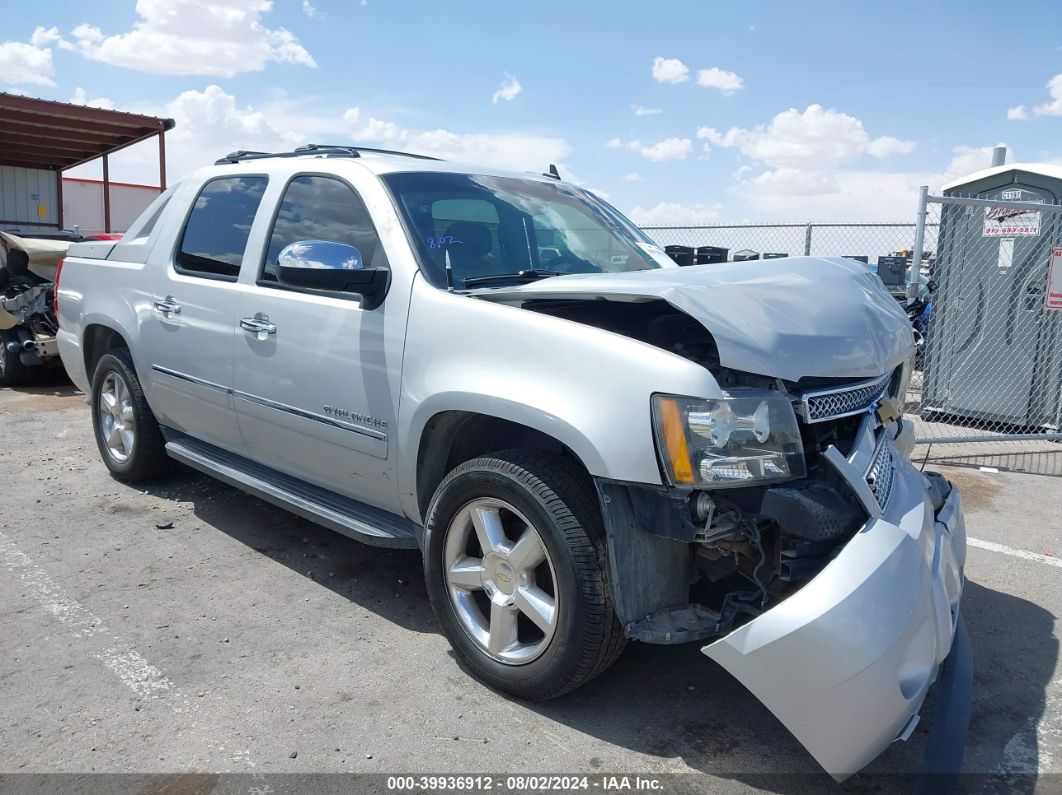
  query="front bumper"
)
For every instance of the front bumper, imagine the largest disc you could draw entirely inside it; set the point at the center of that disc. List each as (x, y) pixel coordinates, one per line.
(846, 662)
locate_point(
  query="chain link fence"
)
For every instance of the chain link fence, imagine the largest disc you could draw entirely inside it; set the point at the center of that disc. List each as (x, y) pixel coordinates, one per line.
(987, 386)
(868, 241)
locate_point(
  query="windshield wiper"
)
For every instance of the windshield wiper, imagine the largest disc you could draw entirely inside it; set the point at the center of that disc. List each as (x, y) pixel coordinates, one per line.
(529, 275)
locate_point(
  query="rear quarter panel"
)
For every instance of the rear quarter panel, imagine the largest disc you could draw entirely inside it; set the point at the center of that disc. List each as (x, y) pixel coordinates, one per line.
(113, 285)
(104, 292)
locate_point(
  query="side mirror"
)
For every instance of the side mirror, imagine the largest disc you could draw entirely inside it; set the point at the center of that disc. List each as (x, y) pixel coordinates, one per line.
(336, 267)
(931, 285)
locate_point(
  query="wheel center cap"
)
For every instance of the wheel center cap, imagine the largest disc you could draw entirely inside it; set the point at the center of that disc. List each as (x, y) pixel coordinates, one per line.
(503, 576)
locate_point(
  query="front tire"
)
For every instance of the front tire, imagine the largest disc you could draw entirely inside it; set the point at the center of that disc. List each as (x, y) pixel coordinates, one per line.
(127, 434)
(515, 570)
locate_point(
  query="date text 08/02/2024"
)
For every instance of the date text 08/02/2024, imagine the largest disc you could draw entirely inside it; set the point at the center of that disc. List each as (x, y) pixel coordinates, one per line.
(524, 783)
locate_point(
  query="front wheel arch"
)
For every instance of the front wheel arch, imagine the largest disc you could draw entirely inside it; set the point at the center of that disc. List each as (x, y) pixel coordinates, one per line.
(450, 438)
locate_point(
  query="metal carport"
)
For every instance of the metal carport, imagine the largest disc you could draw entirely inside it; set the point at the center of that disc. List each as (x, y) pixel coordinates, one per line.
(39, 139)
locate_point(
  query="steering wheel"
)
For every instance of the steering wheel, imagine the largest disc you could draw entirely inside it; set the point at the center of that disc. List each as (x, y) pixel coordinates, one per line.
(576, 264)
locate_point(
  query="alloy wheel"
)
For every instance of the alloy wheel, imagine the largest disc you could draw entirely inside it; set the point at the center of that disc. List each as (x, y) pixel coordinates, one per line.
(501, 581)
(117, 422)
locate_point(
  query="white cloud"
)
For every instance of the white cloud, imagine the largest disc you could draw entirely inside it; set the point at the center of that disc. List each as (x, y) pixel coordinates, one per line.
(815, 139)
(674, 214)
(887, 145)
(641, 110)
(211, 121)
(310, 10)
(210, 124)
(1054, 107)
(668, 149)
(509, 89)
(670, 70)
(22, 63)
(80, 98)
(1017, 113)
(794, 182)
(45, 37)
(968, 159)
(632, 177)
(787, 194)
(195, 37)
(806, 166)
(517, 151)
(725, 81)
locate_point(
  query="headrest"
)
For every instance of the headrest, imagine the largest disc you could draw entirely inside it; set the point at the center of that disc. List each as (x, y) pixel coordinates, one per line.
(471, 239)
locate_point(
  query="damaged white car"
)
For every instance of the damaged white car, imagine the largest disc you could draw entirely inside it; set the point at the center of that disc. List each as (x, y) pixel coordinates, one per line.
(588, 443)
(28, 268)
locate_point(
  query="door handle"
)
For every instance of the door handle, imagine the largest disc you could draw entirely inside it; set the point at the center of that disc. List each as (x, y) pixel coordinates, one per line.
(259, 324)
(166, 306)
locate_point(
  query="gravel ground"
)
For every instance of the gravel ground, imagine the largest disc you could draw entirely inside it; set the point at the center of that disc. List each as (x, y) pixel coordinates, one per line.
(189, 629)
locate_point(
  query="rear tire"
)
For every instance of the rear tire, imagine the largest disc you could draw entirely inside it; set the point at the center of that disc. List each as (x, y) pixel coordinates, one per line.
(533, 615)
(127, 434)
(12, 371)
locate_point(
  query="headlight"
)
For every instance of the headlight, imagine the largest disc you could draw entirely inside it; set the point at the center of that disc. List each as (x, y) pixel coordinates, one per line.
(744, 439)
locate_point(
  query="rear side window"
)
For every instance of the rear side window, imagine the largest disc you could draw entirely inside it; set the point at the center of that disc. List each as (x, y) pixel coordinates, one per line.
(215, 235)
(322, 208)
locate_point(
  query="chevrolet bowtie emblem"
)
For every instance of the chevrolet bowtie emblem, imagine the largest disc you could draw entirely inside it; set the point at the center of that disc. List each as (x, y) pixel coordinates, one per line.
(888, 409)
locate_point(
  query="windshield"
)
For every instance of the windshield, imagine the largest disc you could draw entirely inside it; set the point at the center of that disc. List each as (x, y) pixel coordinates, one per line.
(508, 227)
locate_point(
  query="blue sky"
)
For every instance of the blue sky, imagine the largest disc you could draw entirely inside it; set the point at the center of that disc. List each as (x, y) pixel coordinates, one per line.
(693, 111)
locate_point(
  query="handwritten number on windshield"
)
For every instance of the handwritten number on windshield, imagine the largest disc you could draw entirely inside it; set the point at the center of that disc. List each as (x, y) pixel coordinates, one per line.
(442, 241)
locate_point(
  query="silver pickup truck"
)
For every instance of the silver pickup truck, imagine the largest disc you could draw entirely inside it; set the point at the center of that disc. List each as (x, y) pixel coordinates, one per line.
(588, 443)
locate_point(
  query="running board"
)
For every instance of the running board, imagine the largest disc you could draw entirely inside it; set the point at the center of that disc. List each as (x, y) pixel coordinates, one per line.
(344, 515)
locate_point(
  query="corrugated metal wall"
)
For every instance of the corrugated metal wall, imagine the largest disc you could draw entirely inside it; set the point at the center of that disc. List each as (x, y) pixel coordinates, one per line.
(27, 196)
(83, 204)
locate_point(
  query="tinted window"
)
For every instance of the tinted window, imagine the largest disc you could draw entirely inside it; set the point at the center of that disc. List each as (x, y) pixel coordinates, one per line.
(499, 226)
(215, 236)
(322, 208)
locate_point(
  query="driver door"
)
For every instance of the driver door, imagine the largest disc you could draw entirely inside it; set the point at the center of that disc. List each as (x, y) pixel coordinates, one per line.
(316, 373)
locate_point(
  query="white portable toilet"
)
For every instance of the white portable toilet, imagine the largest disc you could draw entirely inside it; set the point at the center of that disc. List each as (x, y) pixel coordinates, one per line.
(995, 352)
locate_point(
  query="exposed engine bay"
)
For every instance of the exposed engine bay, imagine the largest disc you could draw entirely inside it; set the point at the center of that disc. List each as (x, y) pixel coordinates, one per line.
(655, 322)
(707, 561)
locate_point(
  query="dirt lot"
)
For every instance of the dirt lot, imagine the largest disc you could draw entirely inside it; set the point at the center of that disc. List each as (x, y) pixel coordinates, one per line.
(188, 628)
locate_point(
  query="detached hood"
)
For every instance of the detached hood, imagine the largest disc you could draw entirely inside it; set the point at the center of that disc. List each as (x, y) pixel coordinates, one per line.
(44, 255)
(786, 318)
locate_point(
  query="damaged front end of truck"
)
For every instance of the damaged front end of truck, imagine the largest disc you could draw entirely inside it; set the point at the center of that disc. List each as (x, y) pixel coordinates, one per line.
(791, 534)
(833, 596)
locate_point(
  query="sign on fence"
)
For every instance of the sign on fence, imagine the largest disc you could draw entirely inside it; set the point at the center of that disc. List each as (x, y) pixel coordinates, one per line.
(1053, 299)
(1010, 221)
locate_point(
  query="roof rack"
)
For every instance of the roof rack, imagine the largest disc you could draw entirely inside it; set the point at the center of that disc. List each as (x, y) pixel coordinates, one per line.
(325, 150)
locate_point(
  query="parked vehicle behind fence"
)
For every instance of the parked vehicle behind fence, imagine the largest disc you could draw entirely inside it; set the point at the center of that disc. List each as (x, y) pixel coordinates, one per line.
(588, 444)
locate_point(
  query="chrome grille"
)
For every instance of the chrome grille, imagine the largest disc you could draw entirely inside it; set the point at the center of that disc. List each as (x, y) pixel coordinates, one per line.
(826, 404)
(880, 474)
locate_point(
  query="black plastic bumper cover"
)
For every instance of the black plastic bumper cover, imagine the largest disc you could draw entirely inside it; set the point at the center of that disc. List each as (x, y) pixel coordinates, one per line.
(947, 737)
